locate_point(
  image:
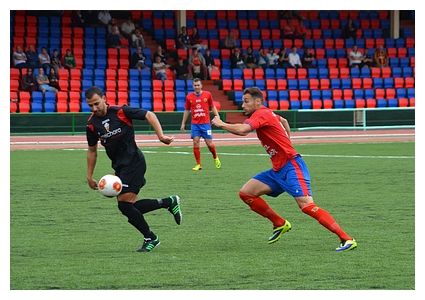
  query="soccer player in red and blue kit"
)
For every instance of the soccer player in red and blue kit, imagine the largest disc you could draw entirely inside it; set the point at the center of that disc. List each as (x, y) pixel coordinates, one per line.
(288, 174)
(198, 104)
(113, 126)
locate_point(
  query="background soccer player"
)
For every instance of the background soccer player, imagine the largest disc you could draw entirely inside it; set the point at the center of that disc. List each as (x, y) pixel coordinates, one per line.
(113, 126)
(289, 173)
(198, 104)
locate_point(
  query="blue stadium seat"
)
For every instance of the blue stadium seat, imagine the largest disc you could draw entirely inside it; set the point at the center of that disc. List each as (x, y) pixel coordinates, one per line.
(381, 103)
(134, 74)
(410, 52)
(389, 43)
(319, 43)
(404, 62)
(99, 83)
(326, 94)
(410, 92)
(99, 74)
(49, 107)
(146, 85)
(283, 95)
(36, 107)
(305, 104)
(358, 94)
(100, 63)
(280, 73)
(292, 84)
(349, 43)
(232, 24)
(134, 84)
(407, 72)
(394, 62)
(244, 34)
(272, 95)
(308, 43)
(388, 82)
(392, 102)
(338, 103)
(189, 85)
(312, 73)
(378, 83)
(145, 74)
(337, 34)
(401, 93)
(221, 23)
(295, 105)
(180, 85)
(335, 83)
(226, 74)
(321, 63)
(316, 95)
(260, 83)
(255, 35)
(303, 84)
(277, 44)
(400, 43)
(267, 44)
(270, 73)
(364, 72)
(238, 97)
(323, 73)
(89, 63)
(349, 103)
(263, 24)
(369, 93)
(346, 83)
(237, 73)
(86, 84)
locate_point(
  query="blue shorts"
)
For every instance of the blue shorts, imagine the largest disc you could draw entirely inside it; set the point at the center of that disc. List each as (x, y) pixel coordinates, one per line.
(202, 130)
(293, 178)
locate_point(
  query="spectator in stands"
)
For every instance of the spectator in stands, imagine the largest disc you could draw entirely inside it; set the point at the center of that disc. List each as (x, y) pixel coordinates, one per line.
(43, 82)
(299, 30)
(209, 62)
(138, 59)
(69, 60)
(262, 58)
(309, 58)
(19, 58)
(32, 57)
(28, 82)
(160, 69)
(236, 59)
(195, 39)
(127, 28)
(288, 31)
(355, 57)
(350, 30)
(56, 60)
(104, 17)
(114, 37)
(294, 59)
(54, 79)
(250, 59)
(272, 59)
(77, 19)
(181, 69)
(283, 60)
(197, 67)
(44, 60)
(381, 57)
(137, 39)
(161, 53)
(230, 41)
(183, 39)
(367, 59)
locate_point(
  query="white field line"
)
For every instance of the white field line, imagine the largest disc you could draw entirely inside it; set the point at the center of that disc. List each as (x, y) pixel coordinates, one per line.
(301, 137)
(263, 154)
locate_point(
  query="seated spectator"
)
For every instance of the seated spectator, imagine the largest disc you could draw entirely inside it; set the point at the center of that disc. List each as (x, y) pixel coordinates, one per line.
(43, 82)
(54, 79)
(28, 82)
(181, 69)
(137, 39)
(195, 40)
(114, 38)
(32, 57)
(272, 59)
(350, 30)
(230, 41)
(127, 28)
(69, 60)
(44, 60)
(381, 57)
(161, 53)
(160, 69)
(209, 62)
(288, 31)
(56, 60)
(367, 59)
(19, 58)
(283, 60)
(250, 59)
(183, 39)
(309, 58)
(355, 58)
(138, 59)
(294, 59)
(299, 30)
(197, 66)
(236, 59)
(262, 58)
(104, 17)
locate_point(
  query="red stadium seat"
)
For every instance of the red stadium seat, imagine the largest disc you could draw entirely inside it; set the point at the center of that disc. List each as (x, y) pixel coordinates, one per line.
(344, 72)
(333, 73)
(64, 84)
(347, 94)
(367, 83)
(14, 84)
(270, 84)
(317, 104)
(360, 103)
(75, 74)
(15, 74)
(111, 85)
(123, 74)
(111, 74)
(409, 82)
(122, 86)
(386, 72)
(356, 83)
(237, 84)
(294, 95)
(158, 101)
(305, 95)
(227, 85)
(314, 84)
(273, 104)
(248, 73)
(403, 102)
(122, 98)
(302, 73)
(390, 93)
(157, 85)
(375, 72)
(112, 63)
(328, 104)
(370, 103)
(63, 74)
(111, 97)
(168, 85)
(169, 101)
(258, 73)
(324, 83)
(291, 73)
(283, 104)
(342, 62)
(379, 93)
(282, 84)
(332, 62)
(337, 94)
(75, 85)
(398, 82)
(412, 102)
(215, 74)
(112, 53)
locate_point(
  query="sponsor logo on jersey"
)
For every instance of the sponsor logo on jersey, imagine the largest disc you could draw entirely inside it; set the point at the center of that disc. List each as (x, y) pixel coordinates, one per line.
(111, 133)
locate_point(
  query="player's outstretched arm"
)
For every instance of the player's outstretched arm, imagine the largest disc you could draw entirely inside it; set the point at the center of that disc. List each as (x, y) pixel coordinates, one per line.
(153, 120)
(91, 163)
(238, 129)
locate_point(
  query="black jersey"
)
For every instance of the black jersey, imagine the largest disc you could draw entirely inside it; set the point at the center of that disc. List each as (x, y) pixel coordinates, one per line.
(116, 133)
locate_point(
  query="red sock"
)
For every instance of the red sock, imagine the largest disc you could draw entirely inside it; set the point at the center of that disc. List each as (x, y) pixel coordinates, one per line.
(326, 220)
(197, 153)
(260, 206)
(212, 150)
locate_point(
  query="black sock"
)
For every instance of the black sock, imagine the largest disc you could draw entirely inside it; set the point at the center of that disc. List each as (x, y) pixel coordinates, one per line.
(147, 205)
(135, 218)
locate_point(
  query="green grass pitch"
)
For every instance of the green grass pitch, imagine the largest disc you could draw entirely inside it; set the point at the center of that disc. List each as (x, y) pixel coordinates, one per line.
(66, 236)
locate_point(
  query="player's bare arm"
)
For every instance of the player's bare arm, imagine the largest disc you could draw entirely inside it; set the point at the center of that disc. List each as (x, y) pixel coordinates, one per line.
(153, 120)
(285, 125)
(238, 129)
(91, 163)
(185, 116)
(215, 111)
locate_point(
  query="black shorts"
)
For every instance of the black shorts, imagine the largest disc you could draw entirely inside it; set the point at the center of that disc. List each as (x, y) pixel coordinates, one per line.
(133, 177)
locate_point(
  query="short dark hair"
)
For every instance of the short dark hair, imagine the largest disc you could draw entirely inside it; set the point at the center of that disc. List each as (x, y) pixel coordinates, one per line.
(196, 79)
(255, 92)
(92, 91)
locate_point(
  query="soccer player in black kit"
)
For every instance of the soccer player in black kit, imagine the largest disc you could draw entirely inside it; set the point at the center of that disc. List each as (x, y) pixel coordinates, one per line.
(112, 125)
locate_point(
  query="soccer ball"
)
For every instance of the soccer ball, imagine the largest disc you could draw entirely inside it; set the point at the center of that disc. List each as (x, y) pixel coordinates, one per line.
(110, 185)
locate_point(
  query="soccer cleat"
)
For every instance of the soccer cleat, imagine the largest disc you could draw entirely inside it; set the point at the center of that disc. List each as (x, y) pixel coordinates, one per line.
(175, 210)
(149, 244)
(217, 162)
(197, 167)
(279, 231)
(347, 245)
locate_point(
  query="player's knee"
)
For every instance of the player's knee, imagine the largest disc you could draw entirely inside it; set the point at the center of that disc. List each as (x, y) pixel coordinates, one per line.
(247, 198)
(125, 208)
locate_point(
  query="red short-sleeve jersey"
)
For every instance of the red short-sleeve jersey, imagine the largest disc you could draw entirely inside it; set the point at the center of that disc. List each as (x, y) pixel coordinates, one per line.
(273, 136)
(199, 106)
